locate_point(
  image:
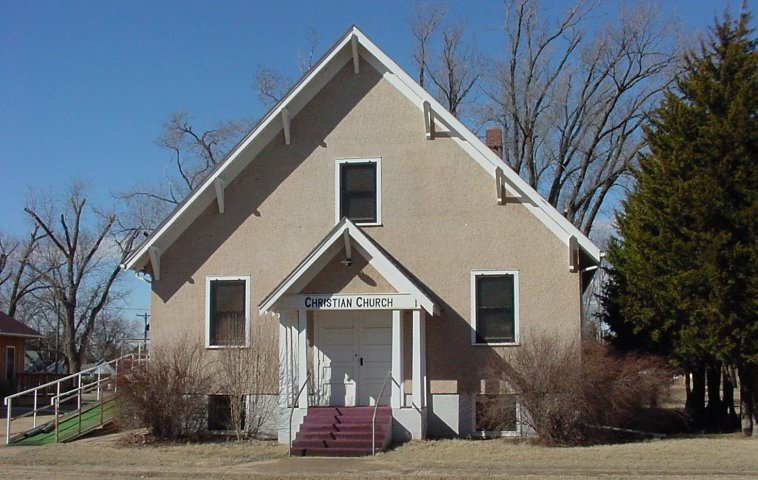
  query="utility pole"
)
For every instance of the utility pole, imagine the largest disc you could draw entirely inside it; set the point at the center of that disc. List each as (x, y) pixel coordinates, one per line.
(145, 316)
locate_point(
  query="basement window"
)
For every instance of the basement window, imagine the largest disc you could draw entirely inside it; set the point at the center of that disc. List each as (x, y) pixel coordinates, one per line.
(358, 188)
(497, 415)
(220, 413)
(227, 319)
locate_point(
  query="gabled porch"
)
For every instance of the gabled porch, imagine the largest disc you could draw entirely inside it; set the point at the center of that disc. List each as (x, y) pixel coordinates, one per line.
(350, 318)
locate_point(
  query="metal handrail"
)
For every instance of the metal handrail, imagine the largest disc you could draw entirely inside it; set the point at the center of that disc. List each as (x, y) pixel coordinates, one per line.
(376, 407)
(8, 401)
(292, 410)
(77, 392)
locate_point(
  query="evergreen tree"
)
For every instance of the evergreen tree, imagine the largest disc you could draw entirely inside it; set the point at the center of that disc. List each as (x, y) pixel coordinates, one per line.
(684, 267)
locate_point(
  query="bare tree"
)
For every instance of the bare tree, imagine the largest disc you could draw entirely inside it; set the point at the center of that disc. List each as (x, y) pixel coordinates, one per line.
(425, 22)
(79, 263)
(17, 279)
(245, 375)
(3, 260)
(571, 105)
(194, 153)
(113, 336)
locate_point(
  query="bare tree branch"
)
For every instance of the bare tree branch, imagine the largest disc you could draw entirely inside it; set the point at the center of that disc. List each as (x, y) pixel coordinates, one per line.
(194, 153)
(305, 62)
(270, 86)
(457, 69)
(424, 24)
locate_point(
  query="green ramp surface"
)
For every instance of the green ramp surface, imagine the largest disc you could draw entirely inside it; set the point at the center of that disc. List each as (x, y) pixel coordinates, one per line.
(68, 429)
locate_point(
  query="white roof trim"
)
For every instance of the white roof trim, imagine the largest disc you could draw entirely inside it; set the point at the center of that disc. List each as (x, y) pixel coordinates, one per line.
(271, 125)
(326, 250)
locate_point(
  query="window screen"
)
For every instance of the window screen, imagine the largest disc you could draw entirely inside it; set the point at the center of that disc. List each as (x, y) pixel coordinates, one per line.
(227, 315)
(358, 192)
(495, 320)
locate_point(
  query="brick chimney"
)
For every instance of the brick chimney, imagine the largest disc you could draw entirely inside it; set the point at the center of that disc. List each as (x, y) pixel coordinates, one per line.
(494, 140)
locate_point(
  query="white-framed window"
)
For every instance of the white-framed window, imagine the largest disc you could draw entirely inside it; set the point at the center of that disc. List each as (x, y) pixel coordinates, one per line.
(358, 190)
(227, 311)
(497, 415)
(495, 307)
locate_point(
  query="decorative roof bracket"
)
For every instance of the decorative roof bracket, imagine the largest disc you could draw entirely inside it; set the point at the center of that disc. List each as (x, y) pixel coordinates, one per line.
(428, 120)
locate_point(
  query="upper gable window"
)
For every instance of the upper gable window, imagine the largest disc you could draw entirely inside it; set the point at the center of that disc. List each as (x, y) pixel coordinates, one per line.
(358, 187)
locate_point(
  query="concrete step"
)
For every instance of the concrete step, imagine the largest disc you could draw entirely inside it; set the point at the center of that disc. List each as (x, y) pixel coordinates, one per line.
(342, 431)
(340, 435)
(332, 452)
(364, 444)
(347, 411)
(345, 419)
(342, 427)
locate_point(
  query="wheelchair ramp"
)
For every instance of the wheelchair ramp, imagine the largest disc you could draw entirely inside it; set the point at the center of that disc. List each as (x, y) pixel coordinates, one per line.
(70, 427)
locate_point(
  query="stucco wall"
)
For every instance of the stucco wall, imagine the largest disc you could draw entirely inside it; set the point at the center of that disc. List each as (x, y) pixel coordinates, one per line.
(440, 220)
(359, 277)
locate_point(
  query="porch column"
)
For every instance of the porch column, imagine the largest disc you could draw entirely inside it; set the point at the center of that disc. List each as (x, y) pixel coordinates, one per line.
(397, 359)
(285, 360)
(302, 356)
(419, 359)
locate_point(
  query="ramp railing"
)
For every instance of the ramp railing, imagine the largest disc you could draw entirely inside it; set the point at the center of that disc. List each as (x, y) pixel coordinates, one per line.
(64, 392)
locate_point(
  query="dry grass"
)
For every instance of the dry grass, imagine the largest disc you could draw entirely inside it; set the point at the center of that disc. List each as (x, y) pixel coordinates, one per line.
(102, 453)
(724, 456)
(685, 457)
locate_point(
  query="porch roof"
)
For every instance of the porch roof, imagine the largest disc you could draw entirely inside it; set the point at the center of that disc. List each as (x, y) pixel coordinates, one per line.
(10, 327)
(347, 234)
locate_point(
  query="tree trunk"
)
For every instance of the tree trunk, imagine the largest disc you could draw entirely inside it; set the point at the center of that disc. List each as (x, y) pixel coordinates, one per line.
(73, 360)
(715, 411)
(747, 399)
(729, 382)
(695, 404)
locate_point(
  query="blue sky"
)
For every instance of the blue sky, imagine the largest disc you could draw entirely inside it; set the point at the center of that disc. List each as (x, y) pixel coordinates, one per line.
(86, 86)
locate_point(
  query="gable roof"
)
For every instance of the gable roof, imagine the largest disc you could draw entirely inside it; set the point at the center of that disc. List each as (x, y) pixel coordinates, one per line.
(13, 328)
(330, 246)
(352, 44)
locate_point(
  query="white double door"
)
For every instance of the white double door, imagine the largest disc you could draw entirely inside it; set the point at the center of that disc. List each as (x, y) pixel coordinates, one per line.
(353, 353)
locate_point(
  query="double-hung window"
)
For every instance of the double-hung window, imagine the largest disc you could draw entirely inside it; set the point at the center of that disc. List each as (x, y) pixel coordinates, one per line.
(358, 187)
(495, 307)
(228, 300)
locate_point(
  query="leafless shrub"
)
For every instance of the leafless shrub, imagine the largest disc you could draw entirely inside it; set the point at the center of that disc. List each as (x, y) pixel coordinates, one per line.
(167, 395)
(570, 394)
(244, 373)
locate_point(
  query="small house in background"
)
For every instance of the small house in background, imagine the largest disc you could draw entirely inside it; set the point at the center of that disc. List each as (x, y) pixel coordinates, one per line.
(13, 337)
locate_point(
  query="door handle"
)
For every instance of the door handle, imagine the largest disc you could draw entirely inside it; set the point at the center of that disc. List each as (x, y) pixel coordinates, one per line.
(361, 361)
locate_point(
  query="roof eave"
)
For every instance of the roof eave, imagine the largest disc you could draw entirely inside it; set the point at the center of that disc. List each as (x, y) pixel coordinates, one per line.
(140, 258)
